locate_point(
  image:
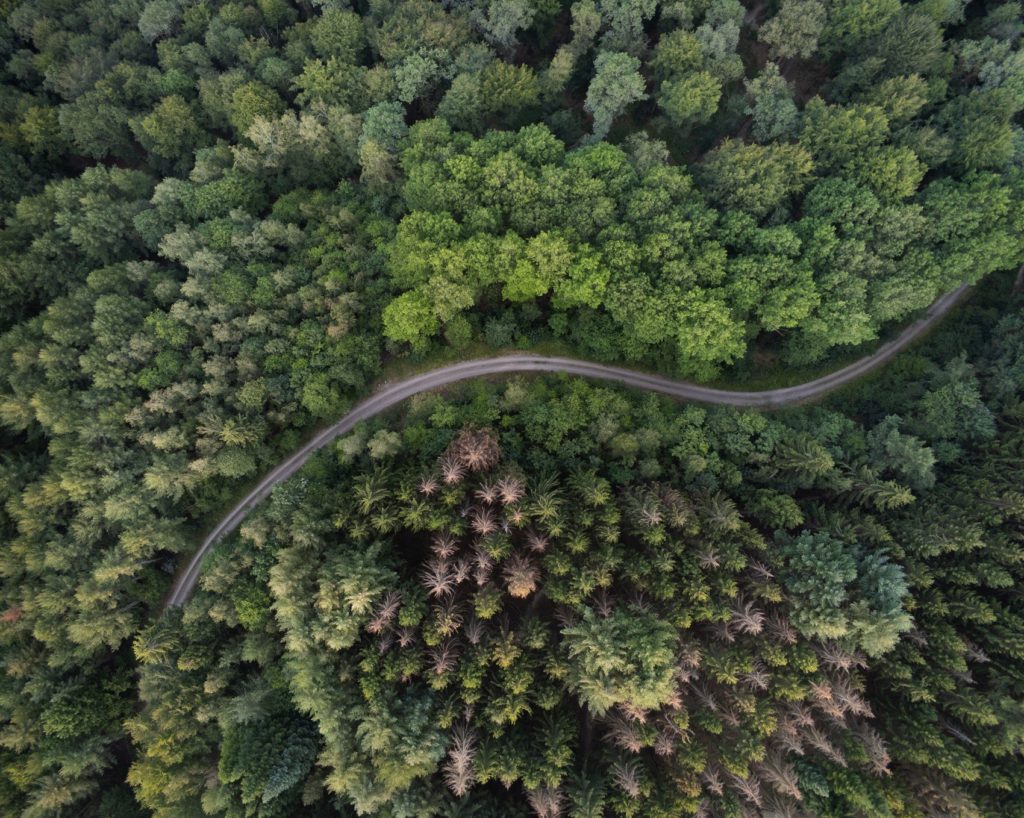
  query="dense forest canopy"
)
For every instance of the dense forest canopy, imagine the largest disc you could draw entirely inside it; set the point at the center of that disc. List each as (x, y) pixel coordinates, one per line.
(221, 221)
(549, 598)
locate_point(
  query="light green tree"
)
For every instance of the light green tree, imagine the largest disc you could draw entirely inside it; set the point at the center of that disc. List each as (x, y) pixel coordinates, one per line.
(691, 99)
(627, 657)
(795, 29)
(616, 85)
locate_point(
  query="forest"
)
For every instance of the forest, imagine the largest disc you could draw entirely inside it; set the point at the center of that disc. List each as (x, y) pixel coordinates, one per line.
(550, 598)
(222, 223)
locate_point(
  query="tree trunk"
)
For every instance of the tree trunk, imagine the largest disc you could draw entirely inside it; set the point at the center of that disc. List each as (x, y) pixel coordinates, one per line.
(752, 15)
(587, 733)
(741, 134)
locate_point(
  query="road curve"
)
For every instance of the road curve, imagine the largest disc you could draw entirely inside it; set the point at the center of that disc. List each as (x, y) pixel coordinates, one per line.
(394, 393)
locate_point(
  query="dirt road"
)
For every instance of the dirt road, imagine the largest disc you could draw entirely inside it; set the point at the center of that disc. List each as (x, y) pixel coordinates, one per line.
(390, 394)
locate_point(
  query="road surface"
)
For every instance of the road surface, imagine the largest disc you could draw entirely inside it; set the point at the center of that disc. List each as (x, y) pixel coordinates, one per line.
(391, 394)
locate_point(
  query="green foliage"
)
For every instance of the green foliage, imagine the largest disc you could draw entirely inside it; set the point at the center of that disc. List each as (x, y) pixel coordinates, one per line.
(410, 318)
(772, 107)
(820, 572)
(251, 101)
(218, 217)
(690, 100)
(85, 710)
(171, 131)
(649, 583)
(500, 21)
(980, 125)
(339, 33)
(617, 84)
(795, 30)
(755, 179)
(267, 760)
(625, 658)
(510, 92)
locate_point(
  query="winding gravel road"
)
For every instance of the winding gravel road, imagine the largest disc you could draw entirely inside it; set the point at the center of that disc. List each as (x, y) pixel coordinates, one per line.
(391, 394)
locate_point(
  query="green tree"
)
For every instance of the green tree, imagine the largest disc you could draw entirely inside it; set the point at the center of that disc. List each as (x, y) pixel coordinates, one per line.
(415, 77)
(463, 103)
(510, 92)
(616, 85)
(904, 454)
(501, 20)
(332, 82)
(410, 319)
(677, 53)
(691, 100)
(708, 333)
(171, 130)
(795, 29)
(624, 23)
(626, 657)
(97, 127)
(338, 33)
(719, 36)
(837, 136)
(774, 113)
(841, 592)
(753, 178)
(158, 18)
(980, 124)
(252, 100)
(852, 23)
(268, 759)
